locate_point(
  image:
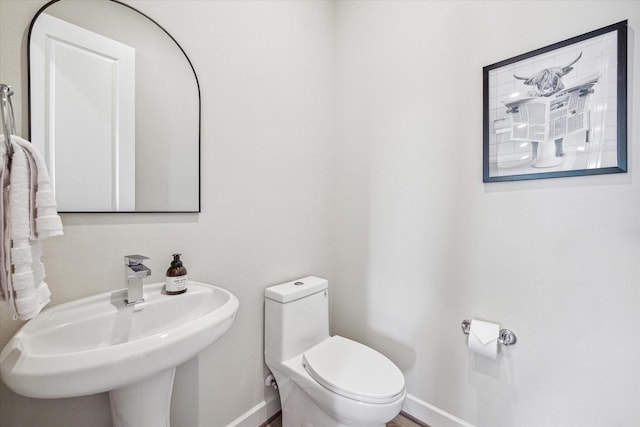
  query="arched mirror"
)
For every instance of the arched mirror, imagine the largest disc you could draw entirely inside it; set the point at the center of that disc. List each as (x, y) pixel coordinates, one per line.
(114, 109)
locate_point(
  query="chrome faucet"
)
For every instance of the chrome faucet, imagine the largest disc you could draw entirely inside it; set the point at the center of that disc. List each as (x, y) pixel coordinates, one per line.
(134, 272)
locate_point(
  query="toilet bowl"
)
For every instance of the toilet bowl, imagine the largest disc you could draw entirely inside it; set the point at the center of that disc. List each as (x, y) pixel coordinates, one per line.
(323, 380)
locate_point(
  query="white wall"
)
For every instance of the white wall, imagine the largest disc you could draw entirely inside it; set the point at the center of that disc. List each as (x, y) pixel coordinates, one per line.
(265, 71)
(421, 243)
(392, 211)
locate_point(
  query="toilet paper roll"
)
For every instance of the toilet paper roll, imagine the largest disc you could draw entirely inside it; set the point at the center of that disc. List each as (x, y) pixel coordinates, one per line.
(483, 338)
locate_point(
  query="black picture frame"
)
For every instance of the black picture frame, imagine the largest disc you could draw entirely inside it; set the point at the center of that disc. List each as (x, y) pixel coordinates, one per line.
(558, 111)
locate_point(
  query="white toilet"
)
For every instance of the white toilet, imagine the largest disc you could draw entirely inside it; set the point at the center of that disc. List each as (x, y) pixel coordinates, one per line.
(324, 381)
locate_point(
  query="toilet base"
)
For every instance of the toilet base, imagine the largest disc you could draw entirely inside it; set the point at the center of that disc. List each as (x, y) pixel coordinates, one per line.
(299, 410)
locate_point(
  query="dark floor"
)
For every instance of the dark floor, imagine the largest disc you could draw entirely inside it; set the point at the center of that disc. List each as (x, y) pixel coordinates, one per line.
(399, 421)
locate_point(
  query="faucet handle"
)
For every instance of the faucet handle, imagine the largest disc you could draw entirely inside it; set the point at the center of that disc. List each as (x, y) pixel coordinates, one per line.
(131, 260)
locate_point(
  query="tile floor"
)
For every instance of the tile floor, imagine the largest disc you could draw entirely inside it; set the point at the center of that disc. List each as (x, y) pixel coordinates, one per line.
(399, 421)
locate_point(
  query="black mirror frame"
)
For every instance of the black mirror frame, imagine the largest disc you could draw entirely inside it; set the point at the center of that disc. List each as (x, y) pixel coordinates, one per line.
(33, 20)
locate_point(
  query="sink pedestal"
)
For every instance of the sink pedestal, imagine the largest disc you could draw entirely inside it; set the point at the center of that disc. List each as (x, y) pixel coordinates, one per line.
(145, 403)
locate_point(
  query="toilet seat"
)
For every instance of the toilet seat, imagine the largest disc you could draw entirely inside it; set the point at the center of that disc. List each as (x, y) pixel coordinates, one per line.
(354, 370)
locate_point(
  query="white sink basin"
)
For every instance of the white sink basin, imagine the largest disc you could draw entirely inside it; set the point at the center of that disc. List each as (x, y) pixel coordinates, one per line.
(99, 344)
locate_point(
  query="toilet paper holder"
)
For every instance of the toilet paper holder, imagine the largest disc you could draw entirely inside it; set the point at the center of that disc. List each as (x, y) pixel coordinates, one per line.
(505, 336)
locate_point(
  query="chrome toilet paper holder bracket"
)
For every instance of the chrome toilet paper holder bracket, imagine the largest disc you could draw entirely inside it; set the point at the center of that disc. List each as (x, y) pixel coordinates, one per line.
(505, 336)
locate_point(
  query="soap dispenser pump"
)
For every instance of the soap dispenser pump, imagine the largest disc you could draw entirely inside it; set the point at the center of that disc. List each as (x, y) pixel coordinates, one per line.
(176, 282)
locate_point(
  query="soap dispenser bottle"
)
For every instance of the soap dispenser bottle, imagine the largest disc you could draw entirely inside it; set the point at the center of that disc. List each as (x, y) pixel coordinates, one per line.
(176, 282)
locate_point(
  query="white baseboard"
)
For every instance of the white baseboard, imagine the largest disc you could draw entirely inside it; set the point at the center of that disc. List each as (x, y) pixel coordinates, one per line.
(430, 414)
(413, 406)
(258, 414)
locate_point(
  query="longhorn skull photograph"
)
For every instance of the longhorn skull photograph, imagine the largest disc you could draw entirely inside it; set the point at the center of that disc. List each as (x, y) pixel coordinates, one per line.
(559, 110)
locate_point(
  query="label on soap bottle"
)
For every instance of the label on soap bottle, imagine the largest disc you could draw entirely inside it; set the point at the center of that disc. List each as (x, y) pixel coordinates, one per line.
(176, 284)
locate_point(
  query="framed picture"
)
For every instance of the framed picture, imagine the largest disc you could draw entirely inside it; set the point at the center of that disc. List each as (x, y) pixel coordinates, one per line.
(558, 111)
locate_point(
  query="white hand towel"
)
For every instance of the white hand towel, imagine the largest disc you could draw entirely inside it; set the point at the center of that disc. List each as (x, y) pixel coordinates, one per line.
(28, 213)
(47, 220)
(29, 296)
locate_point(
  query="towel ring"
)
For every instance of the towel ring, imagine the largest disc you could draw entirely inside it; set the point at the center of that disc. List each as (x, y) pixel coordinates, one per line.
(8, 119)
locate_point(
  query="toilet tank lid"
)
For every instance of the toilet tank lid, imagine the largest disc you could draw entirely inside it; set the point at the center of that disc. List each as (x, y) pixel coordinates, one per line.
(296, 289)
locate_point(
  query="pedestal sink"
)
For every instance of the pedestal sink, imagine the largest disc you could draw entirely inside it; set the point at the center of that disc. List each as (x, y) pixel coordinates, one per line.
(100, 344)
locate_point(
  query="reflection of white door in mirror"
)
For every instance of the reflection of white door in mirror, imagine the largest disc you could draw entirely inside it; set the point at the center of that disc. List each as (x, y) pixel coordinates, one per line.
(83, 119)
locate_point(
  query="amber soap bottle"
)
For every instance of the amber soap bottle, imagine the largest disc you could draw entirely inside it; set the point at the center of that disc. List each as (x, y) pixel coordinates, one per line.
(176, 282)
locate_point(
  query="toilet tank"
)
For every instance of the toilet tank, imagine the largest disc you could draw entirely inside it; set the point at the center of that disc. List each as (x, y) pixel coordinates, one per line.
(296, 317)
